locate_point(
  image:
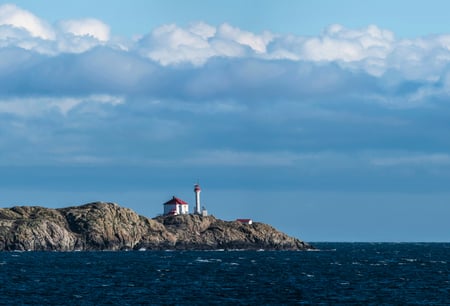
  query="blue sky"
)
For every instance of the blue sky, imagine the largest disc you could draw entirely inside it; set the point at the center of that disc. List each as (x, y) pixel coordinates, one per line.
(326, 119)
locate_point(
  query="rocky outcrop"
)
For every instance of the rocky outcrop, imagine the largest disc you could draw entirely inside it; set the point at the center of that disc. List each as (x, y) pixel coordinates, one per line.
(107, 226)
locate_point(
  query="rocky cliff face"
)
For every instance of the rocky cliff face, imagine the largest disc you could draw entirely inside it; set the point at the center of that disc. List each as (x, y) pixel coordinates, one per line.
(107, 226)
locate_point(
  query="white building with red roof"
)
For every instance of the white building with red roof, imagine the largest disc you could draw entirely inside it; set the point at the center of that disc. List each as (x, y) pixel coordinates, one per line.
(176, 206)
(245, 221)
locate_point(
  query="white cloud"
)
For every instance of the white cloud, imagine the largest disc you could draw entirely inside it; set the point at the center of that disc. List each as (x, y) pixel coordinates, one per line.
(20, 28)
(371, 49)
(204, 30)
(228, 49)
(241, 62)
(74, 44)
(257, 42)
(170, 44)
(11, 15)
(86, 27)
(366, 48)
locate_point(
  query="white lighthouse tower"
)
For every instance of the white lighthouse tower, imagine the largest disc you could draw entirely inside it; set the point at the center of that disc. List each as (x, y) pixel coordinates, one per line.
(197, 191)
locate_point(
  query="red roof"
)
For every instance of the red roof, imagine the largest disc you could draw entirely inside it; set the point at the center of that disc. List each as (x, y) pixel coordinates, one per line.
(175, 200)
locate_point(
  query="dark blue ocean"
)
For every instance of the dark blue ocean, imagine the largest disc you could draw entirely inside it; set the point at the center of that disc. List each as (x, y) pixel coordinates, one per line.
(340, 273)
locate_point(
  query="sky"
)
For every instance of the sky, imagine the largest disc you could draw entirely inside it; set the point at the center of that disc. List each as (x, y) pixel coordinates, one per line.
(327, 119)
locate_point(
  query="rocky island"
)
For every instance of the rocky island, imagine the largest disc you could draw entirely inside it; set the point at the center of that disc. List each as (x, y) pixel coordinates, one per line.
(108, 226)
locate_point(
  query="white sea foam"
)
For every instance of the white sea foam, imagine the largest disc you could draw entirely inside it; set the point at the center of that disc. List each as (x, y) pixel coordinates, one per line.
(320, 250)
(208, 260)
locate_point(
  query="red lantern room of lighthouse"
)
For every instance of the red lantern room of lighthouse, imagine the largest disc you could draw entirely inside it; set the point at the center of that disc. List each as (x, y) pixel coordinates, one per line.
(197, 191)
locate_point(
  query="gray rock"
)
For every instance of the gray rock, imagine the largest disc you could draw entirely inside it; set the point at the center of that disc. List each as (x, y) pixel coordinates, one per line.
(107, 226)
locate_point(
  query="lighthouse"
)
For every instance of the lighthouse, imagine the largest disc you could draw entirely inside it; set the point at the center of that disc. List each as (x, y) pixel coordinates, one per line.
(197, 191)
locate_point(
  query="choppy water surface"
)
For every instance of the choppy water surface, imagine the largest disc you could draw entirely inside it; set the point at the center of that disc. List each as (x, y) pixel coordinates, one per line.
(341, 273)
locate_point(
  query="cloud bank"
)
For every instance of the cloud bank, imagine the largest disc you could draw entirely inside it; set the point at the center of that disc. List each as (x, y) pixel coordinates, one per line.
(354, 101)
(203, 61)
